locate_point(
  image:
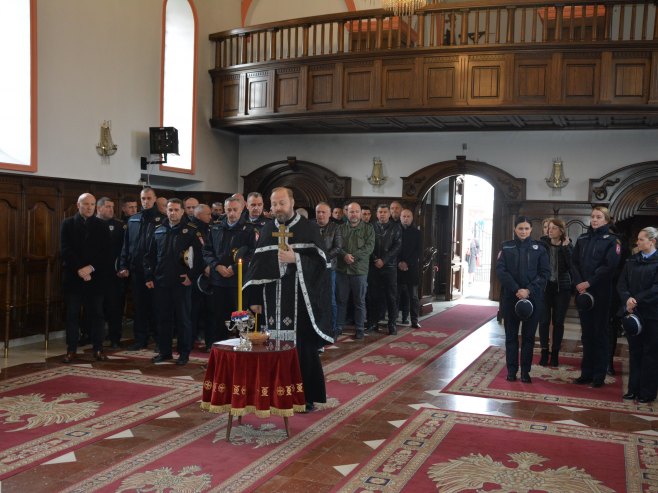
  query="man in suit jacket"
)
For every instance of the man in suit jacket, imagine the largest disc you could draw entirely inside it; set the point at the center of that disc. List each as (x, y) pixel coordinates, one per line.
(86, 255)
(408, 269)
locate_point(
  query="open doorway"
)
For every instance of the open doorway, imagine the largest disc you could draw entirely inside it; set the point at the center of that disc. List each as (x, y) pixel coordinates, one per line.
(457, 211)
(477, 237)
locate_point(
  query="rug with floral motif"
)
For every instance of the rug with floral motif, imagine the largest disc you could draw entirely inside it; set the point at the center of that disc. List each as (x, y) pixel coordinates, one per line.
(486, 377)
(202, 460)
(448, 451)
(55, 411)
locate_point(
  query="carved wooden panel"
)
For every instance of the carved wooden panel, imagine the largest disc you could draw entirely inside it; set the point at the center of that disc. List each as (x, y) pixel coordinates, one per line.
(7, 223)
(440, 81)
(531, 81)
(485, 80)
(287, 92)
(41, 230)
(631, 79)
(230, 98)
(359, 89)
(321, 88)
(259, 93)
(581, 81)
(398, 85)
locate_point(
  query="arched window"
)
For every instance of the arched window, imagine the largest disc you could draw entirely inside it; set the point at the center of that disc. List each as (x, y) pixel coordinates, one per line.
(179, 80)
(18, 85)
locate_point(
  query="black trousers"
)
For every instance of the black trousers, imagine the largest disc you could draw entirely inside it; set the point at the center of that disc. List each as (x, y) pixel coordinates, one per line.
(201, 313)
(595, 336)
(113, 303)
(382, 295)
(408, 301)
(224, 302)
(173, 305)
(144, 319)
(556, 304)
(92, 304)
(528, 330)
(643, 350)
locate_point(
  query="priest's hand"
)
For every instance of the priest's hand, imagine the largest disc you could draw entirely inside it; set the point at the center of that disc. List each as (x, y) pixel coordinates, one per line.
(287, 256)
(256, 308)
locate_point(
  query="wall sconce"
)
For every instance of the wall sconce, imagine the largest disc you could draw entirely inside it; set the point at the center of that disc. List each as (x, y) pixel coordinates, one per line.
(377, 177)
(105, 146)
(557, 179)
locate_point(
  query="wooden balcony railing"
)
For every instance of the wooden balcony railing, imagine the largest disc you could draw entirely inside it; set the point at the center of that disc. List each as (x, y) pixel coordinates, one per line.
(493, 23)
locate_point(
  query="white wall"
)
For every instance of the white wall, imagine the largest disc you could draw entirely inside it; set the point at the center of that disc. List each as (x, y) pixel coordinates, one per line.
(586, 154)
(101, 61)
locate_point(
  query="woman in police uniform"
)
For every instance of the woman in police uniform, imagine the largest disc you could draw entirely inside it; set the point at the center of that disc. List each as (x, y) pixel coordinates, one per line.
(595, 258)
(638, 291)
(523, 270)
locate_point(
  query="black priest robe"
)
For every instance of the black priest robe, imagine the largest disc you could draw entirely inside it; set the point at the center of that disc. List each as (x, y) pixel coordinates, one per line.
(296, 298)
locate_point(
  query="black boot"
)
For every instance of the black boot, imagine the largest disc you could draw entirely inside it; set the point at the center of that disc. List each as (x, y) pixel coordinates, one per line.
(543, 361)
(554, 360)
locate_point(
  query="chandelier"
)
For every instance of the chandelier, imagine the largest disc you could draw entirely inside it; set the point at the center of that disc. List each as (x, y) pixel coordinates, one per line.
(403, 7)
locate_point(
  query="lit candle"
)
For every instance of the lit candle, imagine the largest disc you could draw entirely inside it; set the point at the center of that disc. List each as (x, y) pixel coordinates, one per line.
(239, 285)
(256, 322)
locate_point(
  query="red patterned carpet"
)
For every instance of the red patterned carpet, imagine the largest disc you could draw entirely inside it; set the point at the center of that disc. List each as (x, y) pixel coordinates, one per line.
(54, 411)
(258, 448)
(460, 452)
(486, 378)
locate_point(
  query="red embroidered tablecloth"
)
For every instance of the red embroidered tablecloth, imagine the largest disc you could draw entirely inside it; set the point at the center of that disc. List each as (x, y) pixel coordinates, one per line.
(263, 381)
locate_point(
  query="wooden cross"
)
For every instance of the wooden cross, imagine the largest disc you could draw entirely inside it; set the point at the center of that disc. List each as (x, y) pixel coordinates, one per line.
(282, 235)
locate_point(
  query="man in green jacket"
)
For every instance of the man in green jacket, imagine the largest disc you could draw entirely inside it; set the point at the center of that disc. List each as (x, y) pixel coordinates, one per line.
(352, 268)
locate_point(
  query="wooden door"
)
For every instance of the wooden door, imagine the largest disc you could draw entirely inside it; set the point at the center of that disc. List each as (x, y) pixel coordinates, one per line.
(455, 219)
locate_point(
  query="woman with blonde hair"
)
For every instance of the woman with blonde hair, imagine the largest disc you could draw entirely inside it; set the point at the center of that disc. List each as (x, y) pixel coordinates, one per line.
(638, 290)
(595, 259)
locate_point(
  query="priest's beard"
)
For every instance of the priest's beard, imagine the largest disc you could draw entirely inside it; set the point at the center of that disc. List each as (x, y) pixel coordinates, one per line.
(283, 216)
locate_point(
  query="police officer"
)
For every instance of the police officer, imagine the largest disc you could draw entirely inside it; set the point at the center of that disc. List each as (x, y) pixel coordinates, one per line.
(201, 301)
(595, 259)
(172, 261)
(523, 269)
(224, 241)
(254, 212)
(114, 289)
(138, 234)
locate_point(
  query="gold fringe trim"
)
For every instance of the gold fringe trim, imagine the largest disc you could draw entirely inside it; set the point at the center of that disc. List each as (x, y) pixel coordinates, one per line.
(273, 411)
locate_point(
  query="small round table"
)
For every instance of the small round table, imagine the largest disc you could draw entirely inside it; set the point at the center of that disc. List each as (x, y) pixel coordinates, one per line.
(265, 381)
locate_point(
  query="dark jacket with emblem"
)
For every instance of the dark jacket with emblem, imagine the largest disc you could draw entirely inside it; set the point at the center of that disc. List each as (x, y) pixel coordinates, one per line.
(388, 241)
(523, 264)
(595, 258)
(84, 242)
(117, 230)
(639, 280)
(137, 237)
(164, 262)
(222, 245)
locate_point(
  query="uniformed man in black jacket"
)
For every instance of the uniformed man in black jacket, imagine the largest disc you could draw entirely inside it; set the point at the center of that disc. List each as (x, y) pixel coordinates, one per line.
(114, 292)
(225, 239)
(382, 275)
(594, 263)
(136, 239)
(254, 212)
(86, 256)
(409, 269)
(172, 261)
(201, 301)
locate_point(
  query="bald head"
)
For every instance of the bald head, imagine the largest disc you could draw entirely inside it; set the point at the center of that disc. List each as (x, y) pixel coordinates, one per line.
(86, 205)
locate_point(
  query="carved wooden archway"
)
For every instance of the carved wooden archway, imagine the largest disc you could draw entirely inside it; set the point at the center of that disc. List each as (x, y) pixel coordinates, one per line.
(310, 182)
(509, 194)
(629, 191)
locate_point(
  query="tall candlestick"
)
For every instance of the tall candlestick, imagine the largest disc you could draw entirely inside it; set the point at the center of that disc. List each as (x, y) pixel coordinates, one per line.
(239, 285)
(256, 322)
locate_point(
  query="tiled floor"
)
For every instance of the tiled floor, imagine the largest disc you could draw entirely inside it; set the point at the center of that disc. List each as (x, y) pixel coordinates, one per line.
(321, 466)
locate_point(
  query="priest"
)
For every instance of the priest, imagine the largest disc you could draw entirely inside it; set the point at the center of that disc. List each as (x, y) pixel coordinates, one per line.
(289, 283)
